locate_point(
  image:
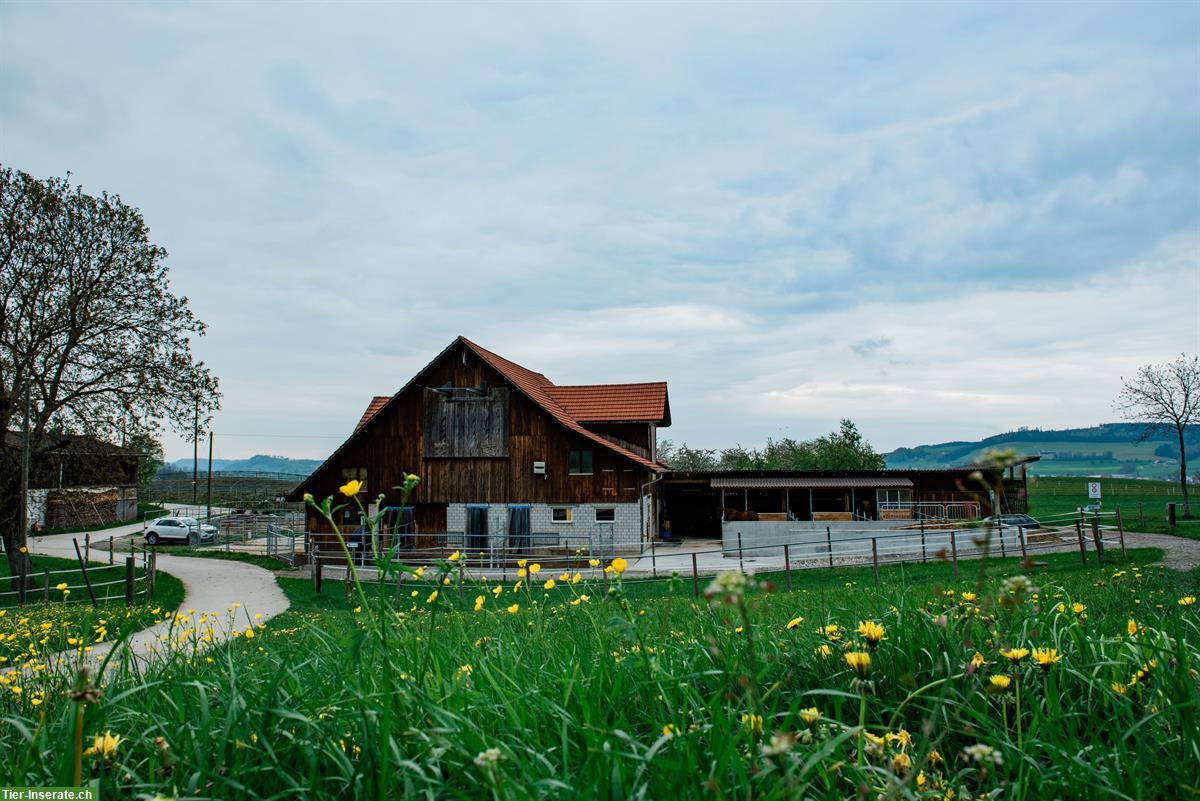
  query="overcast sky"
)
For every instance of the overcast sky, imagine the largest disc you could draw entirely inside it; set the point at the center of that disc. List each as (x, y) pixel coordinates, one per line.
(942, 221)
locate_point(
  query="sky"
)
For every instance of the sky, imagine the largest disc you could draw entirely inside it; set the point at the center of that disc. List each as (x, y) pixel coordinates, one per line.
(942, 221)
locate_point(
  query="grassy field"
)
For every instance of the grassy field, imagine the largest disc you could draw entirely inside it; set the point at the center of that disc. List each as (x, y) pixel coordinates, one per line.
(562, 692)
(1142, 503)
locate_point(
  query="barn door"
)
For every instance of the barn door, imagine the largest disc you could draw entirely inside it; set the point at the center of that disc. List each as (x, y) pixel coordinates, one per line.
(477, 529)
(518, 528)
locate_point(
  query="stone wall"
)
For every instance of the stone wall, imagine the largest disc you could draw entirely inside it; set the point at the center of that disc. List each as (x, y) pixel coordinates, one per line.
(583, 531)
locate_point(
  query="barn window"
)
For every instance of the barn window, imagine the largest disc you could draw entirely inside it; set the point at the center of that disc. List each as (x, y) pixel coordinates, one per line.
(355, 474)
(608, 515)
(560, 514)
(580, 463)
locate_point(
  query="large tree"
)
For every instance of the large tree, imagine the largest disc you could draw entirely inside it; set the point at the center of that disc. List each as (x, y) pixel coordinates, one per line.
(844, 449)
(1165, 397)
(92, 341)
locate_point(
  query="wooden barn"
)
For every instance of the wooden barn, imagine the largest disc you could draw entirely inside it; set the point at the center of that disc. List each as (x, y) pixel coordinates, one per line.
(506, 458)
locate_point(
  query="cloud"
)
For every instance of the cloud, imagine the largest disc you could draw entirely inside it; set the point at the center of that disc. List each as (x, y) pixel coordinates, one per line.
(724, 198)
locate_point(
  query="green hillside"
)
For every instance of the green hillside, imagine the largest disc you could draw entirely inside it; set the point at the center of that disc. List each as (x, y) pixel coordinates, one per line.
(1107, 450)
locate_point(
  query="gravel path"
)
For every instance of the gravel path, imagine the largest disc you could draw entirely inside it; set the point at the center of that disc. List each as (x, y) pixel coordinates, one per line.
(1180, 553)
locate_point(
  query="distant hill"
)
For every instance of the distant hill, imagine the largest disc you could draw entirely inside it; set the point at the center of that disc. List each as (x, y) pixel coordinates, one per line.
(1112, 449)
(255, 464)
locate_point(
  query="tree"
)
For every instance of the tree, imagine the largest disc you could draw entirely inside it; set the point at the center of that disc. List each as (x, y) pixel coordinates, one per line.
(844, 449)
(685, 458)
(92, 341)
(146, 444)
(1165, 397)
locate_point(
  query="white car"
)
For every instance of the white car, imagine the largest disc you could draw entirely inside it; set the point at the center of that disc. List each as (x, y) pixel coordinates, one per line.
(177, 529)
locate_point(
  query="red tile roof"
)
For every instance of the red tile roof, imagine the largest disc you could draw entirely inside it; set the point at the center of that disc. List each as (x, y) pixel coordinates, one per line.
(372, 409)
(573, 405)
(614, 403)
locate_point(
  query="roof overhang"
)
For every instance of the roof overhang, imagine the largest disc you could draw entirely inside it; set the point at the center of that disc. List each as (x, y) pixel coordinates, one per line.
(811, 482)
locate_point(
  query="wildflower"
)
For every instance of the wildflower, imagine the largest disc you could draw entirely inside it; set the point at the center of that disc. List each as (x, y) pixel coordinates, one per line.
(497, 590)
(618, 565)
(901, 763)
(60, 587)
(522, 562)
(728, 584)
(549, 585)
(479, 599)
(432, 597)
(810, 715)
(670, 730)
(464, 670)
(752, 723)
(977, 660)
(833, 632)
(1131, 627)
(968, 596)
(351, 488)
(1187, 600)
(419, 572)
(1119, 688)
(104, 745)
(1046, 657)
(564, 577)
(512, 610)
(794, 622)
(1078, 608)
(594, 562)
(859, 662)
(871, 631)
(488, 758)
(999, 683)
(823, 650)
(1018, 586)
(575, 579)
(249, 633)
(522, 573)
(780, 744)
(454, 557)
(1015, 655)
(983, 754)
(23, 549)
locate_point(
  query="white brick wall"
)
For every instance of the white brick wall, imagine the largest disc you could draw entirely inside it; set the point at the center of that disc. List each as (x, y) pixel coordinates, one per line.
(582, 531)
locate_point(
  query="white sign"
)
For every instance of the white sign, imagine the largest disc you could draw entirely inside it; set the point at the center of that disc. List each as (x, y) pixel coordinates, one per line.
(1094, 490)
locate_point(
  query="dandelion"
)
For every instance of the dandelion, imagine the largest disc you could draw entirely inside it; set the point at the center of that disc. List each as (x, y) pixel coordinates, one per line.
(823, 650)
(999, 683)
(794, 622)
(977, 660)
(512, 610)
(1131, 627)
(1046, 658)
(1078, 608)
(1015, 655)
(1187, 600)
(1119, 688)
(479, 599)
(832, 632)
(104, 745)
(351, 488)
(871, 631)
(670, 730)
(810, 715)
(859, 662)
(752, 723)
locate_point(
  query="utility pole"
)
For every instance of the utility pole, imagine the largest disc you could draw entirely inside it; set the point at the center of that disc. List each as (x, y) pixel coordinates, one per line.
(25, 448)
(208, 517)
(196, 453)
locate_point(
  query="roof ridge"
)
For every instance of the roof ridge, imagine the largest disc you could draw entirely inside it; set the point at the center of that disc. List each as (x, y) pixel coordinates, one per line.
(620, 384)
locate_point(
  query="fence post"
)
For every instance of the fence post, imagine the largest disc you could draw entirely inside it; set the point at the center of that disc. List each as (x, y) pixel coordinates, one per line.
(653, 559)
(316, 568)
(741, 566)
(112, 550)
(923, 541)
(954, 552)
(22, 578)
(129, 589)
(1000, 531)
(1021, 540)
(829, 545)
(1082, 547)
(460, 579)
(787, 564)
(695, 577)
(45, 584)
(1141, 515)
(875, 558)
(152, 571)
(1096, 539)
(1121, 531)
(87, 544)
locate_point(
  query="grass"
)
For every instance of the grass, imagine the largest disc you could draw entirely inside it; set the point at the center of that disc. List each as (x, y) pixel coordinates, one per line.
(651, 693)
(261, 560)
(1059, 495)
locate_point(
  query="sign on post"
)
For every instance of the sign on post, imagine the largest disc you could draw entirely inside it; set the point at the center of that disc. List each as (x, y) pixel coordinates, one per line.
(1094, 490)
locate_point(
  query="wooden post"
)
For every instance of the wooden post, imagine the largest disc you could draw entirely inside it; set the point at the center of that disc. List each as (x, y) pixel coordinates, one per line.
(1021, 540)
(460, 581)
(83, 569)
(130, 594)
(45, 584)
(1000, 531)
(1141, 515)
(152, 572)
(829, 545)
(787, 564)
(22, 579)
(1097, 540)
(87, 544)
(954, 552)
(653, 559)
(741, 565)
(695, 577)
(1121, 530)
(112, 551)
(1082, 547)
(875, 558)
(1171, 516)
(923, 559)
(316, 569)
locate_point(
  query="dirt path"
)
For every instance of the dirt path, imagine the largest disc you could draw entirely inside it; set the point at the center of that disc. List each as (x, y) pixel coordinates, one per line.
(1180, 553)
(233, 594)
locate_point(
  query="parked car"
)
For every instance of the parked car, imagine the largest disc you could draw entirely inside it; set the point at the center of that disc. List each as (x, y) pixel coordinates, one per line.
(1014, 520)
(177, 529)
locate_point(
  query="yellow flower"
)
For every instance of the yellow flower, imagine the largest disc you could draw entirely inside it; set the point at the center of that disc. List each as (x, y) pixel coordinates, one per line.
(968, 596)
(859, 662)
(104, 745)
(977, 660)
(752, 723)
(522, 562)
(23, 549)
(497, 590)
(594, 562)
(1119, 688)
(810, 715)
(419, 572)
(1046, 657)
(479, 599)
(351, 488)
(549, 585)
(1187, 600)
(432, 597)
(521, 573)
(1131, 627)
(454, 557)
(823, 650)
(60, 587)
(534, 569)
(618, 565)
(575, 579)
(999, 683)
(1078, 608)
(512, 610)
(564, 577)
(670, 730)
(1015, 654)
(871, 631)
(249, 633)
(833, 631)
(796, 621)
